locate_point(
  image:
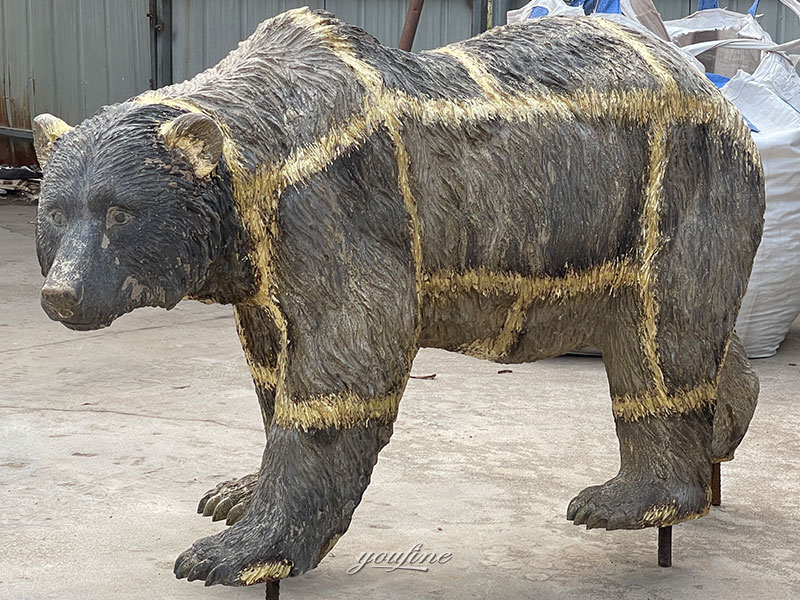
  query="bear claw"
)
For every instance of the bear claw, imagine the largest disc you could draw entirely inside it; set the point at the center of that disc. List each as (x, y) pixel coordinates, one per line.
(228, 500)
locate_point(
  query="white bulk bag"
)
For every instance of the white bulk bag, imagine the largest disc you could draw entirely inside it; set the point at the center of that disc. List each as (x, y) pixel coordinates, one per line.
(772, 300)
(766, 89)
(546, 7)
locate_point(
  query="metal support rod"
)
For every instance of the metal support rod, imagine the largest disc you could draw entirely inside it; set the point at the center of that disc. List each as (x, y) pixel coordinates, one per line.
(410, 28)
(273, 590)
(716, 485)
(160, 15)
(480, 16)
(665, 546)
(16, 132)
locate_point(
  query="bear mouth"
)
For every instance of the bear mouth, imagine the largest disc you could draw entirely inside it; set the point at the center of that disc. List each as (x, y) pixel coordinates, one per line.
(76, 326)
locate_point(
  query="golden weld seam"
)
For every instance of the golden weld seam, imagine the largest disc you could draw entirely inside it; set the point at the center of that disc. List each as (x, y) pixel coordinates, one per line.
(477, 72)
(651, 240)
(442, 285)
(404, 184)
(348, 410)
(633, 407)
(659, 71)
(606, 278)
(337, 411)
(725, 350)
(269, 571)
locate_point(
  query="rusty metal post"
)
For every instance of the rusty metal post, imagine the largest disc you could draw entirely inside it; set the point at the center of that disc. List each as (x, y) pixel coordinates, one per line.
(410, 28)
(716, 485)
(273, 590)
(665, 546)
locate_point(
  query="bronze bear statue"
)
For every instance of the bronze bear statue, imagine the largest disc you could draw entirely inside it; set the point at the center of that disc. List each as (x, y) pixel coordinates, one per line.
(538, 188)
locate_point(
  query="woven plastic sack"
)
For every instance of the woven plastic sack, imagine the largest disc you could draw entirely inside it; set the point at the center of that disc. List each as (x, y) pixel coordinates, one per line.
(770, 98)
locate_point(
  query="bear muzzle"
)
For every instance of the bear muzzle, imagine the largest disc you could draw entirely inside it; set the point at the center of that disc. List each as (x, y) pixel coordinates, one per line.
(61, 301)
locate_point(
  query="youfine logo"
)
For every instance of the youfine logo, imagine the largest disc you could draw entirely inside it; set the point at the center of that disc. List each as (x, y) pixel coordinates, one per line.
(410, 560)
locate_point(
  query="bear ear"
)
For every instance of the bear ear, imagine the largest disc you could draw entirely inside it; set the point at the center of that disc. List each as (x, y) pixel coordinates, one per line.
(46, 130)
(198, 138)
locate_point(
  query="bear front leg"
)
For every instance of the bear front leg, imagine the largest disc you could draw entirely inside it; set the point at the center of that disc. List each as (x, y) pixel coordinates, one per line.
(343, 371)
(309, 487)
(260, 339)
(665, 434)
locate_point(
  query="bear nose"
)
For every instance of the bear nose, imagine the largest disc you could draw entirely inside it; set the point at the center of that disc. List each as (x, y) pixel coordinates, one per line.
(61, 300)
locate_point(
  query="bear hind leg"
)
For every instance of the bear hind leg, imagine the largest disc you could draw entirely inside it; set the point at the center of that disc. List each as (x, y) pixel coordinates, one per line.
(737, 396)
(664, 433)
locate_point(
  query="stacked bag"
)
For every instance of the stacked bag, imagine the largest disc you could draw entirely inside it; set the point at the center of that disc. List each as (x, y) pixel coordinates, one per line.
(758, 76)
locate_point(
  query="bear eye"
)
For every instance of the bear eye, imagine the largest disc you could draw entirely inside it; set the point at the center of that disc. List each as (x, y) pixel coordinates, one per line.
(58, 217)
(117, 217)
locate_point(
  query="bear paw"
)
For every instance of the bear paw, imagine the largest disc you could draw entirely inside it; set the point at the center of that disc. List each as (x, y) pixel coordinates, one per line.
(232, 560)
(229, 500)
(626, 502)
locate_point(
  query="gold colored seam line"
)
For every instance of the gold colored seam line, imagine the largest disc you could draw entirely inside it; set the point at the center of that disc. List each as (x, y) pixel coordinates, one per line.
(608, 275)
(309, 160)
(257, 194)
(606, 278)
(341, 47)
(721, 366)
(337, 411)
(268, 571)
(263, 375)
(633, 106)
(348, 410)
(253, 200)
(633, 407)
(661, 73)
(476, 70)
(651, 241)
(404, 184)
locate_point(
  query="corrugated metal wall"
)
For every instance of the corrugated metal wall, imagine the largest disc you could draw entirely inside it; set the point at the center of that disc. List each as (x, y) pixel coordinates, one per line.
(443, 21)
(69, 57)
(204, 31)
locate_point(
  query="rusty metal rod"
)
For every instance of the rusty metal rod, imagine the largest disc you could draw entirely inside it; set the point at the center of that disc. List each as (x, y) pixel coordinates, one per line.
(716, 485)
(273, 590)
(410, 28)
(665, 546)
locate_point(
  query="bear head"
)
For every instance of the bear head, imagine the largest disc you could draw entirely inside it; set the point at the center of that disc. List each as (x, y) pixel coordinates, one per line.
(131, 211)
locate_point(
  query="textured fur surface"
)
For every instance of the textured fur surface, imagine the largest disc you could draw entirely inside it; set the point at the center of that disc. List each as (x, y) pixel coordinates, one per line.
(514, 196)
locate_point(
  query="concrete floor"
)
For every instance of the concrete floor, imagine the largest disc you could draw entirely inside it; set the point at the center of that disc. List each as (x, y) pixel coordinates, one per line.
(108, 440)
